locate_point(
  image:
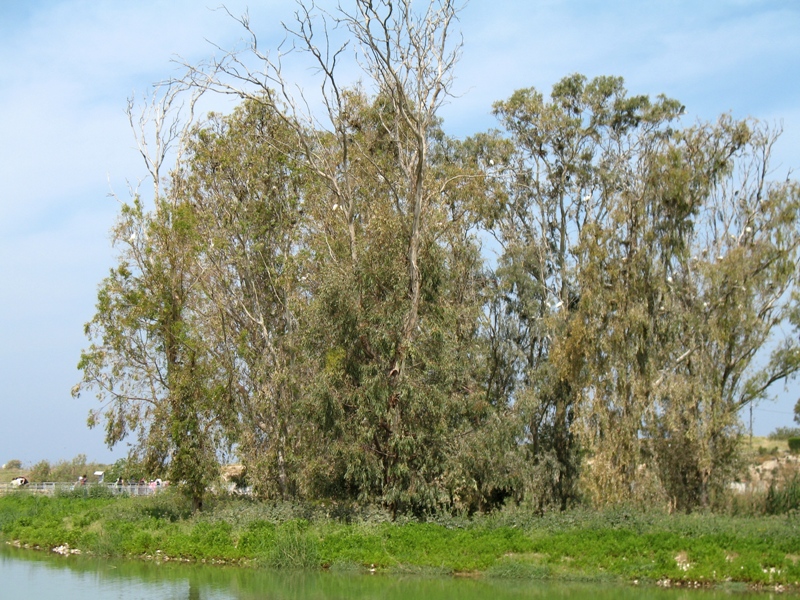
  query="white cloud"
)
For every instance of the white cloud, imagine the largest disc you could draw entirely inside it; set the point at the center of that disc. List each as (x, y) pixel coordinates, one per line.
(68, 67)
(67, 71)
(714, 57)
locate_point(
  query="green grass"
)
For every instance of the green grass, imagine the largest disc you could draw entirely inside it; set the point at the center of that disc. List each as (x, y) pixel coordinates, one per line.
(764, 444)
(581, 545)
(389, 545)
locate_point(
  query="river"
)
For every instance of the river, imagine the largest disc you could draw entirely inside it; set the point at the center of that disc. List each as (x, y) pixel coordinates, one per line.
(31, 574)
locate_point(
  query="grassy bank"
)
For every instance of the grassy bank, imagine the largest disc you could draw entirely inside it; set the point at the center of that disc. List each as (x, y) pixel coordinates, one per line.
(618, 545)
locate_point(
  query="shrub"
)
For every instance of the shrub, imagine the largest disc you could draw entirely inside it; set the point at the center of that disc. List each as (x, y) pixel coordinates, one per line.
(794, 444)
(258, 539)
(164, 506)
(14, 463)
(40, 471)
(784, 433)
(780, 501)
(63, 471)
(294, 547)
(211, 540)
(85, 491)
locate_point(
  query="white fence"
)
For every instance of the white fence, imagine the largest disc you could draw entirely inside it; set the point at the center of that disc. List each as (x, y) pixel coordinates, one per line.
(50, 488)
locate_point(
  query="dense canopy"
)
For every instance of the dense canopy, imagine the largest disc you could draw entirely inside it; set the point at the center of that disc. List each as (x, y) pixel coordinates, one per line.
(573, 307)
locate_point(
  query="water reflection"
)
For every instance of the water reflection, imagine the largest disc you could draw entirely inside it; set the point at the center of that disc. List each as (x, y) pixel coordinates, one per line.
(28, 574)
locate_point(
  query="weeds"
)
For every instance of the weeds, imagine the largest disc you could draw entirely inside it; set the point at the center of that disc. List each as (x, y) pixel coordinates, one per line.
(579, 545)
(294, 547)
(784, 500)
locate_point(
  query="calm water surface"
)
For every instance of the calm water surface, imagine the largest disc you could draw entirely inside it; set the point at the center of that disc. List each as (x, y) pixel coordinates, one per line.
(30, 574)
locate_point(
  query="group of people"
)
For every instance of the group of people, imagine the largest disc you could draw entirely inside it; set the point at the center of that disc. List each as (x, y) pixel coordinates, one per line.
(82, 481)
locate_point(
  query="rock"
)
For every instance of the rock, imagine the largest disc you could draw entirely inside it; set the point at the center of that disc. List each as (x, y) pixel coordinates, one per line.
(768, 466)
(65, 550)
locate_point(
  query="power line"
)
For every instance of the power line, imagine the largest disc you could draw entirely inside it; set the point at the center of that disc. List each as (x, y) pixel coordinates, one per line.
(779, 412)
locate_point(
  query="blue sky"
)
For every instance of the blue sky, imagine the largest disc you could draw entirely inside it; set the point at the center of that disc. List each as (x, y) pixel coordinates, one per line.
(68, 67)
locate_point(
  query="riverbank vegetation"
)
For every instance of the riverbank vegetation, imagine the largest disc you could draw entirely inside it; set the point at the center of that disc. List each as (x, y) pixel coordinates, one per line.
(518, 353)
(568, 310)
(611, 545)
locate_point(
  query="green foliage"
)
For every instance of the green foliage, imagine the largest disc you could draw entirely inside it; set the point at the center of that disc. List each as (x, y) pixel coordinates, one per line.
(65, 470)
(313, 294)
(620, 297)
(423, 544)
(202, 541)
(294, 547)
(146, 357)
(784, 433)
(250, 156)
(127, 469)
(615, 545)
(258, 539)
(794, 444)
(13, 464)
(783, 499)
(41, 471)
(86, 491)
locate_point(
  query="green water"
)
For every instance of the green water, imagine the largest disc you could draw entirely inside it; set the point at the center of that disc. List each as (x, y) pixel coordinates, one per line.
(30, 574)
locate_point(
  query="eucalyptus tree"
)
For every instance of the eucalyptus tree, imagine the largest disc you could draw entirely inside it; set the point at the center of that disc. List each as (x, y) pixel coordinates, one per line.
(617, 230)
(146, 361)
(731, 298)
(411, 423)
(243, 186)
(388, 241)
(690, 299)
(408, 56)
(558, 173)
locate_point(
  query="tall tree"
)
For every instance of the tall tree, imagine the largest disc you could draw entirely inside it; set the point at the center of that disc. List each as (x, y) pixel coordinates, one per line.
(693, 279)
(556, 175)
(146, 362)
(382, 250)
(620, 234)
(407, 421)
(243, 185)
(731, 298)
